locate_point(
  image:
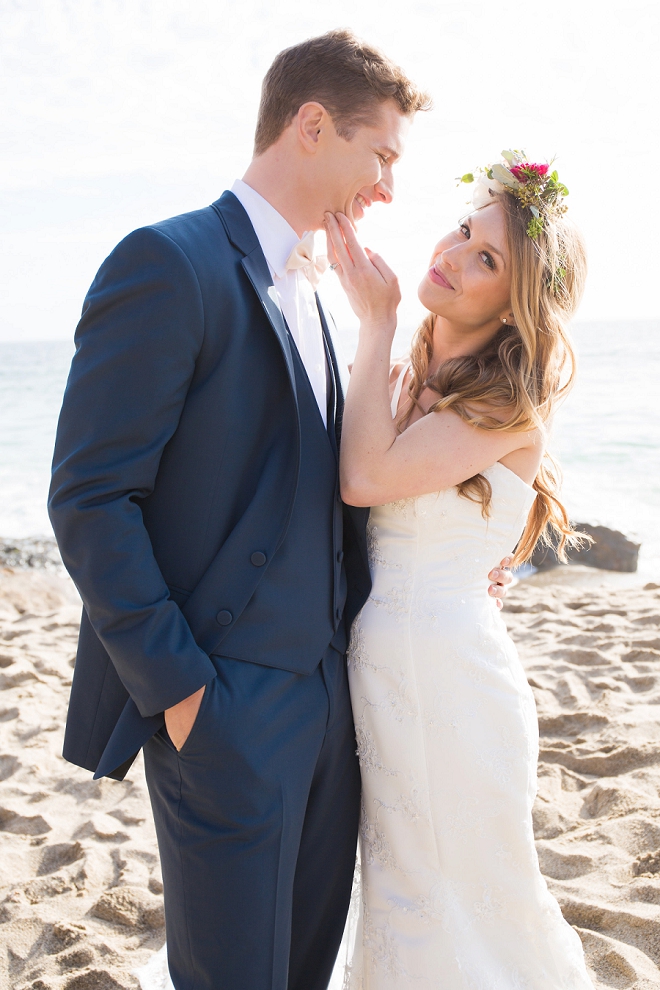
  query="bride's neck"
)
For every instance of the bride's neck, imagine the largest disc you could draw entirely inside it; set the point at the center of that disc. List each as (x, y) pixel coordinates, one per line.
(451, 340)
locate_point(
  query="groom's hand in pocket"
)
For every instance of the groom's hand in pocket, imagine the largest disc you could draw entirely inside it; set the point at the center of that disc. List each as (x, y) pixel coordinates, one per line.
(180, 719)
(501, 578)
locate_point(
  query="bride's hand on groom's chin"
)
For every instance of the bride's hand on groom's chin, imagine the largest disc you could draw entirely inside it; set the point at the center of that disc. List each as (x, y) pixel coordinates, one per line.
(370, 284)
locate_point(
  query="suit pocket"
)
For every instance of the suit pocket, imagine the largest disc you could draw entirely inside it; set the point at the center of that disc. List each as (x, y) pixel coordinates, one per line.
(197, 724)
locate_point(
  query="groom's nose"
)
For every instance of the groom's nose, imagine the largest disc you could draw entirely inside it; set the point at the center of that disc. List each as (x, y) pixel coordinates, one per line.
(384, 189)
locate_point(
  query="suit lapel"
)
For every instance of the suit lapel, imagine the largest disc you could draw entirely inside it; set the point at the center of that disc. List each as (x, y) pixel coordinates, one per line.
(342, 373)
(241, 233)
(332, 399)
(257, 271)
(336, 373)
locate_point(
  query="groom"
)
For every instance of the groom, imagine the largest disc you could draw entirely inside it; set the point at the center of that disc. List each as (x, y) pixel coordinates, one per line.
(196, 504)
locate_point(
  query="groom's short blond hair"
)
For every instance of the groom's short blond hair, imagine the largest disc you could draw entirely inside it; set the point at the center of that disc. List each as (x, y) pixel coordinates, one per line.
(348, 77)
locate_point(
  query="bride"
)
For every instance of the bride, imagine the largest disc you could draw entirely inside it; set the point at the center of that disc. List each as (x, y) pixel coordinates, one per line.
(448, 448)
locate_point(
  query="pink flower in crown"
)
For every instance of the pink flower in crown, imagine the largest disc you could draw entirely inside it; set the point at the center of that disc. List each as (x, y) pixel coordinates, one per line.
(522, 172)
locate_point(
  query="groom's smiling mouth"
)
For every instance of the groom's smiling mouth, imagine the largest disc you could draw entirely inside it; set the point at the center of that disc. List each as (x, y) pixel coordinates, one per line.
(360, 205)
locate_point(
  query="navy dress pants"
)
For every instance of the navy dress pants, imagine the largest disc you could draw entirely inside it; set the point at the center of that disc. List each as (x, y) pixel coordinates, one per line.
(256, 819)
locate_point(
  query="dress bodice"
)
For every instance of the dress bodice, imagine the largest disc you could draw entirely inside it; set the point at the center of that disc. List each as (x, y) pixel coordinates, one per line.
(444, 539)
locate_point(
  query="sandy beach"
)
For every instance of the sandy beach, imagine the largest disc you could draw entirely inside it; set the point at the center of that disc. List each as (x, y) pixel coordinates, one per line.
(80, 889)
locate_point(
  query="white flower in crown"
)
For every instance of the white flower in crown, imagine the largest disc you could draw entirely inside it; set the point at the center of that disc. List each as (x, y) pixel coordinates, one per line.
(484, 190)
(532, 183)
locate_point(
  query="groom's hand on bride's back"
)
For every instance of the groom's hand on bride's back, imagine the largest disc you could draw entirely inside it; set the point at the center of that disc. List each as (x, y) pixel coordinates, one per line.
(501, 578)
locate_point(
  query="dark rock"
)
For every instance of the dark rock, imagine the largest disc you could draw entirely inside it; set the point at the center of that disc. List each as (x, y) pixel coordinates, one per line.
(33, 551)
(610, 551)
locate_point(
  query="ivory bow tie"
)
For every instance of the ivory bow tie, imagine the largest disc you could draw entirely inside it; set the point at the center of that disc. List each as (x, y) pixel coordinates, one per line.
(303, 257)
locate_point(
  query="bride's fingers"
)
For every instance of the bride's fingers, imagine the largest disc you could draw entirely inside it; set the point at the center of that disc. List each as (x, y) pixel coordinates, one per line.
(386, 272)
(342, 254)
(364, 257)
(331, 253)
(356, 250)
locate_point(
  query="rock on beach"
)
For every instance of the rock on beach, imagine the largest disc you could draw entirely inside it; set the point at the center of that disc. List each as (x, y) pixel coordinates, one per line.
(609, 550)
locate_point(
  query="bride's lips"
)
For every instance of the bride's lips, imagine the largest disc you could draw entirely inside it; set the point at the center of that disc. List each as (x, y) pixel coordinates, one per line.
(439, 278)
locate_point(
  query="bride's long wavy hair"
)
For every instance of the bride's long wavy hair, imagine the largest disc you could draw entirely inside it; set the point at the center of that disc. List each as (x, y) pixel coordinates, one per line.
(523, 372)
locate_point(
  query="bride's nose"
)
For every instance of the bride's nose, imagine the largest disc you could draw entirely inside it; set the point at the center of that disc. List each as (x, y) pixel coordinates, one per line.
(450, 258)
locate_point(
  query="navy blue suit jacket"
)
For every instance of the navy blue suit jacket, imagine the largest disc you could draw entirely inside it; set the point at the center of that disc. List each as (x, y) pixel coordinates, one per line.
(176, 458)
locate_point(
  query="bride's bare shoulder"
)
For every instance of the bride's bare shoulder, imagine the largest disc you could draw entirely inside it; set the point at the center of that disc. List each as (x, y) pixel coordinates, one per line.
(396, 367)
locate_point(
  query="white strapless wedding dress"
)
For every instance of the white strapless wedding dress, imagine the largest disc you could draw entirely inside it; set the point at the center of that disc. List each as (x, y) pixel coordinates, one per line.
(451, 896)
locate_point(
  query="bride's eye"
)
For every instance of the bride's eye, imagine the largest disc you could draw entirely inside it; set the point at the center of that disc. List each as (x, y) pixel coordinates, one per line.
(488, 260)
(463, 227)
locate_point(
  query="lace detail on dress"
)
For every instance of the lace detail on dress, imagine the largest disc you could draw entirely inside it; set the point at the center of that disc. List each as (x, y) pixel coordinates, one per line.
(382, 946)
(375, 847)
(469, 818)
(447, 715)
(396, 601)
(399, 704)
(357, 656)
(409, 806)
(370, 761)
(374, 552)
(403, 505)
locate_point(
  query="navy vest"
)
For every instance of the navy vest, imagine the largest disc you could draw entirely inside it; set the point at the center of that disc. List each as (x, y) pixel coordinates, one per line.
(304, 585)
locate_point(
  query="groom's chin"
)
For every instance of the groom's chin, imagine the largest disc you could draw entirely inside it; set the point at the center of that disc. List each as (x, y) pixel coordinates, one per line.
(355, 212)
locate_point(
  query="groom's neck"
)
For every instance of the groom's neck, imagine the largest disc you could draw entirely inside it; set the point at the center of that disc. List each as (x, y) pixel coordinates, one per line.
(281, 180)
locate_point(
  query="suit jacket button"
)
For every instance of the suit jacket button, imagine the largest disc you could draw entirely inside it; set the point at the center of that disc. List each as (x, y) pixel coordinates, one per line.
(258, 558)
(224, 617)
(340, 556)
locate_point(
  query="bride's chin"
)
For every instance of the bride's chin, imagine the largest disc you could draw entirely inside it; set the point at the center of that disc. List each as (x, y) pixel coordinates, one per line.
(428, 302)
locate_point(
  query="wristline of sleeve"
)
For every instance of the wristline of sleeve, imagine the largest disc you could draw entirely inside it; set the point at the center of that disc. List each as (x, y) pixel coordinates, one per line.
(155, 656)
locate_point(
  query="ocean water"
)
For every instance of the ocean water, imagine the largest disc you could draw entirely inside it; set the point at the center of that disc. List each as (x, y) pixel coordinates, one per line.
(607, 435)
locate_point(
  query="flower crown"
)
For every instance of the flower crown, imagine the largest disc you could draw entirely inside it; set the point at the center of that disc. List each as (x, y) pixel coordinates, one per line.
(533, 184)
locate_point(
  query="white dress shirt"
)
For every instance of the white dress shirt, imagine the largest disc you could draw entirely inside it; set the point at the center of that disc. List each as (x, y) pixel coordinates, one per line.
(294, 291)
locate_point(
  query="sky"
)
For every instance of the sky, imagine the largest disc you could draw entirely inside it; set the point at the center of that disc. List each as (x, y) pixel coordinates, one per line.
(118, 113)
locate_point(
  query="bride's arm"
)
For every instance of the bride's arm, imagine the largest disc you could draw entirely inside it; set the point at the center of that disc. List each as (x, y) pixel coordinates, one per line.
(436, 452)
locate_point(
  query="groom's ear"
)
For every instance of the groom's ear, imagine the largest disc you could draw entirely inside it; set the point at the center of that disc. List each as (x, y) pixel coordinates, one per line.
(312, 120)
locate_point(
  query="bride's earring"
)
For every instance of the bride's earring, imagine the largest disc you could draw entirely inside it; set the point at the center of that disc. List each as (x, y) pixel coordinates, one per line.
(504, 319)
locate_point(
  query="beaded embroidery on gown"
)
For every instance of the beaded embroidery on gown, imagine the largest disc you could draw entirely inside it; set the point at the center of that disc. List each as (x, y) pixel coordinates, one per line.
(451, 894)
